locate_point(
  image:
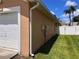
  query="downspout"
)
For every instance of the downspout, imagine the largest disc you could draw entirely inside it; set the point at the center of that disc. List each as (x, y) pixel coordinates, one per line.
(31, 9)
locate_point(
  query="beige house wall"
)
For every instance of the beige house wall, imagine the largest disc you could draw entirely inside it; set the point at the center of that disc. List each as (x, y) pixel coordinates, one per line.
(24, 22)
(40, 19)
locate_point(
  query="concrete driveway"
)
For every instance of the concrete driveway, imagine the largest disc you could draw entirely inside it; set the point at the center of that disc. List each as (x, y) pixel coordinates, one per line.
(6, 53)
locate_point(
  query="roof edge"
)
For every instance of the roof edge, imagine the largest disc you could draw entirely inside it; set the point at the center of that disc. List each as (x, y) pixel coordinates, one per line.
(45, 8)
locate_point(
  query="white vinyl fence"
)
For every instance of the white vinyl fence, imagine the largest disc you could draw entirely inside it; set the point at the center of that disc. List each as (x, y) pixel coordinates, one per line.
(69, 30)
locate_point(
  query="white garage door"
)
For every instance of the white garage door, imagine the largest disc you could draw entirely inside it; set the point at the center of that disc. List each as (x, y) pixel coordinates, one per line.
(9, 31)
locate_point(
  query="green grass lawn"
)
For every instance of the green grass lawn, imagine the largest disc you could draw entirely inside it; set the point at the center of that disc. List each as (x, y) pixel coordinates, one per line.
(60, 47)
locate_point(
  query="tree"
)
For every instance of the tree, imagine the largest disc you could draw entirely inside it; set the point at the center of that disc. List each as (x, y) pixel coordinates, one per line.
(76, 19)
(67, 11)
(73, 9)
(70, 11)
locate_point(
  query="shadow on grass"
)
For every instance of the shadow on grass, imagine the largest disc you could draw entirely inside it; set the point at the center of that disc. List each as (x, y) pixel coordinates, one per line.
(45, 49)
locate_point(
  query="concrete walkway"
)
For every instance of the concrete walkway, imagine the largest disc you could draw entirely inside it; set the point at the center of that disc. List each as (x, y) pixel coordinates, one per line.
(7, 53)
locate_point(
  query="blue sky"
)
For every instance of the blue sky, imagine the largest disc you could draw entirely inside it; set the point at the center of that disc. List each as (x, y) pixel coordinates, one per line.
(58, 7)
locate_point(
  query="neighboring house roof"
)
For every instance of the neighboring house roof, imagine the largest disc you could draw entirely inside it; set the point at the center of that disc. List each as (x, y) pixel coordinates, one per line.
(45, 9)
(62, 23)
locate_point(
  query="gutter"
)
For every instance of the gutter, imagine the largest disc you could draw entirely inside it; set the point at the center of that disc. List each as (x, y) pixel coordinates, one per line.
(31, 9)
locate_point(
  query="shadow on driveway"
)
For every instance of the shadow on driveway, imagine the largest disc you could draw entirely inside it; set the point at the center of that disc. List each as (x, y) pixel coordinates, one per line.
(45, 49)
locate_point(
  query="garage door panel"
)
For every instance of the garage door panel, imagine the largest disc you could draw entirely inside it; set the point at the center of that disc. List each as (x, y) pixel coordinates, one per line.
(9, 44)
(9, 18)
(9, 31)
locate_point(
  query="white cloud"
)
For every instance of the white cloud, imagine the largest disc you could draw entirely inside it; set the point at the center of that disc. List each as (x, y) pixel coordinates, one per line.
(76, 13)
(64, 16)
(52, 12)
(71, 3)
(66, 20)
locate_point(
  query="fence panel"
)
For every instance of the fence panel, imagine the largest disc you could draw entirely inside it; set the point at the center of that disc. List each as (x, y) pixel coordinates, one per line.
(69, 30)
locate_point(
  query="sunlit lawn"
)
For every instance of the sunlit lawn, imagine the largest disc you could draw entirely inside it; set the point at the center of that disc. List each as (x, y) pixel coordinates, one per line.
(60, 47)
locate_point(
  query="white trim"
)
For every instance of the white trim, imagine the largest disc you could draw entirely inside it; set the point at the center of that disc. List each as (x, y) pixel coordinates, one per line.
(19, 22)
(13, 10)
